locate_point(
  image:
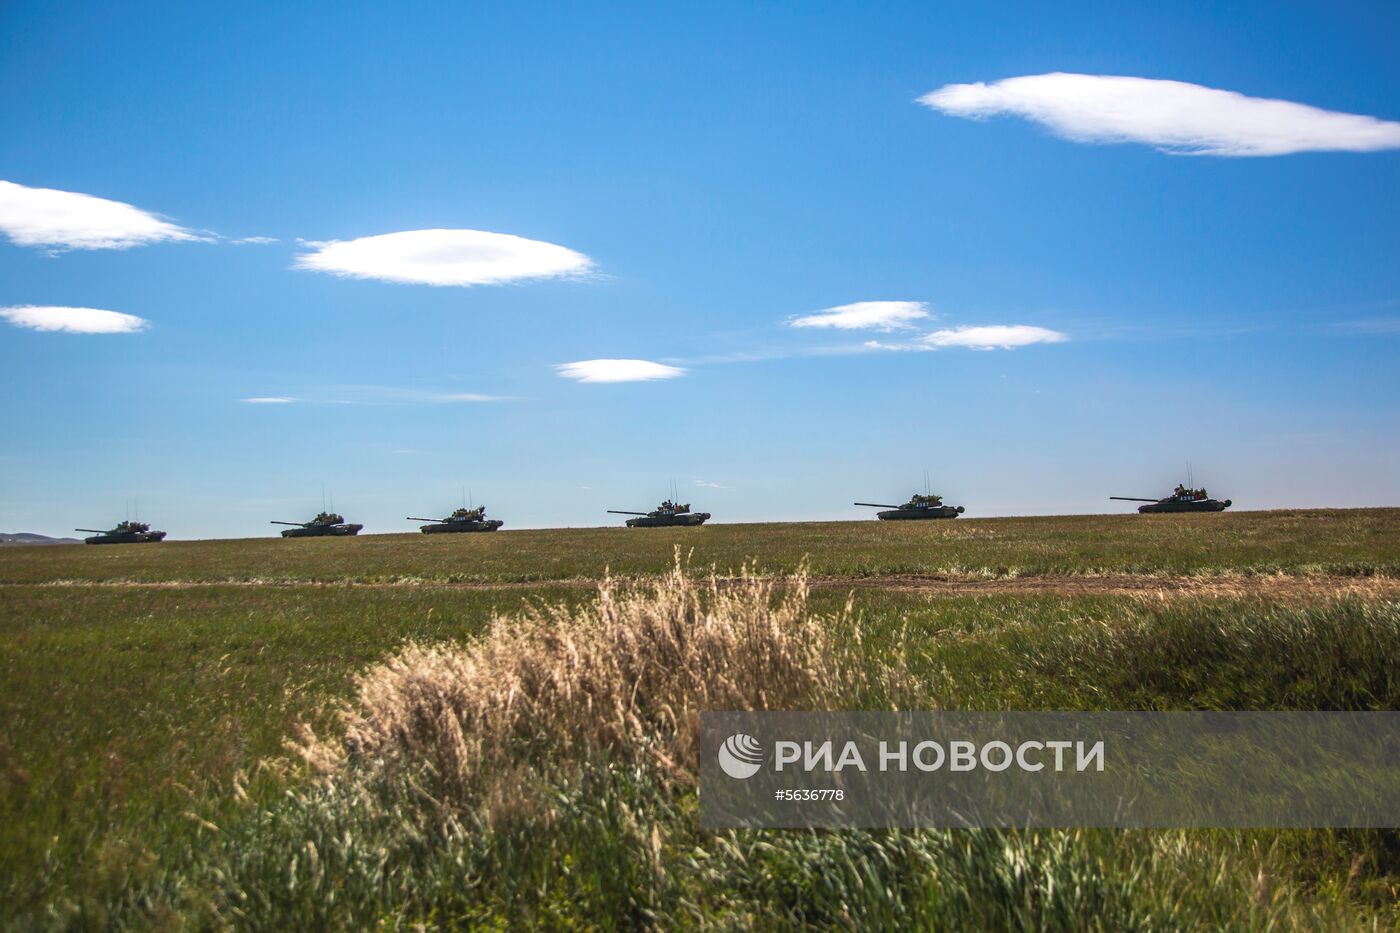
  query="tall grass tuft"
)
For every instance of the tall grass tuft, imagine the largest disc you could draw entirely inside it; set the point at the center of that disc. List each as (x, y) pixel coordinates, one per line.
(622, 679)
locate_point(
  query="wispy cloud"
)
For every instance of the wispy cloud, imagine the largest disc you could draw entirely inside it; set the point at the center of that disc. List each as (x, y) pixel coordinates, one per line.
(744, 356)
(1376, 326)
(393, 395)
(254, 240)
(1176, 117)
(701, 482)
(380, 395)
(73, 320)
(985, 337)
(865, 315)
(56, 220)
(617, 370)
(444, 257)
(465, 397)
(898, 315)
(979, 337)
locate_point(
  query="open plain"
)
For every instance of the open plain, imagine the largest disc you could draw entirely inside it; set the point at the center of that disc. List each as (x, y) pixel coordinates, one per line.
(173, 719)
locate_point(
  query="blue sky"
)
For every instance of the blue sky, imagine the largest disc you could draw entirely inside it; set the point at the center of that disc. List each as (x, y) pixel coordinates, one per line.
(691, 182)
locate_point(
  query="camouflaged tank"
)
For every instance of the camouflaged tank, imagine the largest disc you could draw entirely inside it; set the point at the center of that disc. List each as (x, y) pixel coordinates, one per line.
(324, 525)
(125, 533)
(918, 507)
(459, 521)
(1182, 499)
(666, 515)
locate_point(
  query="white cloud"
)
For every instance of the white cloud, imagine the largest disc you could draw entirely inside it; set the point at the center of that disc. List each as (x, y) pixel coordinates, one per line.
(74, 320)
(617, 370)
(444, 257)
(465, 397)
(254, 241)
(701, 482)
(381, 395)
(1172, 115)
(55, 219)
(992, 337)
(879, 315)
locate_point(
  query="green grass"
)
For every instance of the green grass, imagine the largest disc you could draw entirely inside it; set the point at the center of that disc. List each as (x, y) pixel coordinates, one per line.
(139, 727)
(124, 708)
(1355, 541)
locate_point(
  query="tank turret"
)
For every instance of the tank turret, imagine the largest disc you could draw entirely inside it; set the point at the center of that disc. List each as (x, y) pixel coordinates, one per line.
(460, 520)
(918, 507)
(127, 532)
(668, 514)
(324, 525)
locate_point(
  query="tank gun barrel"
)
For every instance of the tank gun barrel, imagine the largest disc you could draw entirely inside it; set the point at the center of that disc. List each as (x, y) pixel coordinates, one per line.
(876, 505)
(1132, 499)
(619, 512)
(298, 524)
(412, 519)
(96, 531)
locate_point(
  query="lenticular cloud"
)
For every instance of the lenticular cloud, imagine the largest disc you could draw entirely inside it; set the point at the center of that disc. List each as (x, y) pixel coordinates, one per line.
(47, 217)
(73, 320)
(993, 337)
(1174, 116)
(445, 257)
(877, 315)
(618, 371)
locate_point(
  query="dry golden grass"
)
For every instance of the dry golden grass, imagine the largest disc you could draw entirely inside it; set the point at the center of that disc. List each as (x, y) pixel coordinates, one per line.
(622, 677)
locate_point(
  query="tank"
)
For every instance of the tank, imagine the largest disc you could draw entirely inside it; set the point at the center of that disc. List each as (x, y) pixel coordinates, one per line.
(666, 515)
(125, 533)
(324, 525)
(460, 520)
(1182, 499)
(918, 507)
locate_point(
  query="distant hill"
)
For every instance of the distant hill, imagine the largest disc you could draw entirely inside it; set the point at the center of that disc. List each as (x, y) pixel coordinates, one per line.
(20, 538)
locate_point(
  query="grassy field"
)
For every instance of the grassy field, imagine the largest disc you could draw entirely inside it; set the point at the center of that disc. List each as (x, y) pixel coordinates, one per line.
(1355, 541)
(149, 696)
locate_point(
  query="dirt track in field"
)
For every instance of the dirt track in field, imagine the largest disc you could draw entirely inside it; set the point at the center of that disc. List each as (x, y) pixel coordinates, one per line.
(1276, 586)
